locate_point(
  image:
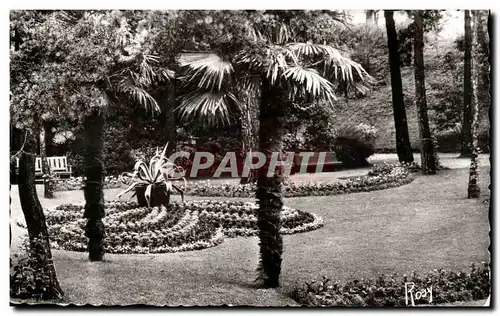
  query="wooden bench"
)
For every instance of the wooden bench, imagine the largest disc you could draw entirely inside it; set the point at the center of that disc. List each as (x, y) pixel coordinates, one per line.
(58, 166)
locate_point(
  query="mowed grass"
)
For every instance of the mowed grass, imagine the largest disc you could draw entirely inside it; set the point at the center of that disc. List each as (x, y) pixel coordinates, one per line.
(427, 224)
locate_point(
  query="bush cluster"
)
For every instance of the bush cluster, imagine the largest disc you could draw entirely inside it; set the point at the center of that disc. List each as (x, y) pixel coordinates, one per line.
(28, 277)
(354, 144)
(389, 290)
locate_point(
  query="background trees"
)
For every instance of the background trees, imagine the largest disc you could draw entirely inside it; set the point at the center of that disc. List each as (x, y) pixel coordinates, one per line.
(480, 90)
(466, 148)
(428, 161)
(403, 146)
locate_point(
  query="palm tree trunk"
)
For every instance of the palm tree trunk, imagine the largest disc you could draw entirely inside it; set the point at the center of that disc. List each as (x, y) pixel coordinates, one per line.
(93, 135)
(427, 146)
(403, 145)
(268, 193)
(250, 111)
(48, 189)
(35, 219)
(166, 100)
(466, 145)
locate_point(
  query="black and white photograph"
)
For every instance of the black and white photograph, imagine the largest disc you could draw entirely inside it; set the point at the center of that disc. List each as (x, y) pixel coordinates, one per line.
(250, 158)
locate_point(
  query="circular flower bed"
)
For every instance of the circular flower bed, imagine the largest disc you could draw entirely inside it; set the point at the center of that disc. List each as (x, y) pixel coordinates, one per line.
(180, 227)
(380, 177)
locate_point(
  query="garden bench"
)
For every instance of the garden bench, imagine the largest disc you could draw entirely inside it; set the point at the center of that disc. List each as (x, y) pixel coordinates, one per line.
(58, 166)
(331, 163)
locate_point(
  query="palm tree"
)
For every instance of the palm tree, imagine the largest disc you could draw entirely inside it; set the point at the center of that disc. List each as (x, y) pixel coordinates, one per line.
(403, 146)
(132, 85)
(428, 159)
(121, 67)
(280, 71)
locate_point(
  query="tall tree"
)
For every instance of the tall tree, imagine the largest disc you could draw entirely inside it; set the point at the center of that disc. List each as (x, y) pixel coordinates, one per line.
(403, 145)
(371, 16)
(480, 90)
(23, 62)
(35, 219)
(428, 160)
(466, 145)
(288, 71)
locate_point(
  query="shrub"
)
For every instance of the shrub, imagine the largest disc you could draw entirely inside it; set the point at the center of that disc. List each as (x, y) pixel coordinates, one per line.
(353, 145)
(28, 277)
(450, 140)
(389, 291)
(117, 157)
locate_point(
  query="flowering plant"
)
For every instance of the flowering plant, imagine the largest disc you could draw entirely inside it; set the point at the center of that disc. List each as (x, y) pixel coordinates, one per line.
(159, 171)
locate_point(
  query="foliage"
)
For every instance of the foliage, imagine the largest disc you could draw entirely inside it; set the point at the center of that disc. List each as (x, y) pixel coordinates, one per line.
(389, 290)
(449, 140)
(159, 171)
(179, 227)
(69, 63)
(264, 49)
(319, 134)
(117, 157)
(29, 278)
(354, 144)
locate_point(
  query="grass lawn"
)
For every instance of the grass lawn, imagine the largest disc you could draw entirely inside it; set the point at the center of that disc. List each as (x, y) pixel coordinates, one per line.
(420, 226)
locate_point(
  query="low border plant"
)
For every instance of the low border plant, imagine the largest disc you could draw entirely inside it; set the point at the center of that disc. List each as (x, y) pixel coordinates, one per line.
(390, 290)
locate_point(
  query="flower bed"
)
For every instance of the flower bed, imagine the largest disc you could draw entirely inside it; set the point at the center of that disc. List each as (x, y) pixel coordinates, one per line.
(380, 177)
(180, 227)
(389, 291)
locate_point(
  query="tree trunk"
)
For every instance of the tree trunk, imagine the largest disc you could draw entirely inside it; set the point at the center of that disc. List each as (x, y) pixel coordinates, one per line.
(478, 59)
(269, 189)
(49, 138)
(35, 219)
(466, 145)
(166, 100)
(250, 111)
(93, 136)
(370, 16)
(427, 145)
(403, 145)
(48, 188)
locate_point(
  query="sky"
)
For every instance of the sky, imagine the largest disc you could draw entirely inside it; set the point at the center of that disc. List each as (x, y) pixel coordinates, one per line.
(453, 21)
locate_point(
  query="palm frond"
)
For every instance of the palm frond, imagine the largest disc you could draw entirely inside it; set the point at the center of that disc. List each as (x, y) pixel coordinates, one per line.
(213, 107)
(207, 69)
(138, 94)
(308, 82)
(307, 49)
(278, 59)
